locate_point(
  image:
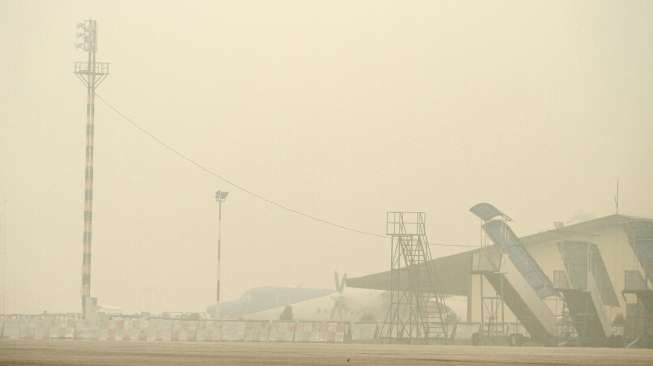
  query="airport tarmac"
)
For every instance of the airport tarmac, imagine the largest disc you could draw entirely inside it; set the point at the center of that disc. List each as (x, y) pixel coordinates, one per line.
(73, 352)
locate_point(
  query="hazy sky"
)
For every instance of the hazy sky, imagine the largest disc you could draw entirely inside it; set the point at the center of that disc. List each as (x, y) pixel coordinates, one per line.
(343, 109)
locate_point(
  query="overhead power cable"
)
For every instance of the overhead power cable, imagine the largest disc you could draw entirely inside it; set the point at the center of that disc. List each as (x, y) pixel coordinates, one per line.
(221, 177)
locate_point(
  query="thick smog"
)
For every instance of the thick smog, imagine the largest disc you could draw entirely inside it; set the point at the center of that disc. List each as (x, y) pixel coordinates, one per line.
(326, 183)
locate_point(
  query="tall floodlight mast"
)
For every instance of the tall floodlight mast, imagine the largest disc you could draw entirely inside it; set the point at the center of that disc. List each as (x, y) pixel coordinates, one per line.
(220, 196)
(92, 74)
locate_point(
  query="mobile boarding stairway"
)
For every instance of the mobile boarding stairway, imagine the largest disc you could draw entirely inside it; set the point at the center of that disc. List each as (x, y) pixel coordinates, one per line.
(640, 237)
(587, 290)
(515, 276)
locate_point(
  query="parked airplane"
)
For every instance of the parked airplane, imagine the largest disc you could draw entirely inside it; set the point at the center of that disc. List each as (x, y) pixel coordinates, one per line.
(263, 298)
(342, 304)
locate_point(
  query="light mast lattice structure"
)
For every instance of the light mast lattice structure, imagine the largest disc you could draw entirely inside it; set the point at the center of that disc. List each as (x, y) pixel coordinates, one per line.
(417, 311)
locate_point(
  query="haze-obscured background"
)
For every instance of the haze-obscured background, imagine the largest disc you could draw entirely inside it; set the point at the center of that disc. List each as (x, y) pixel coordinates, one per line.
(341, 109)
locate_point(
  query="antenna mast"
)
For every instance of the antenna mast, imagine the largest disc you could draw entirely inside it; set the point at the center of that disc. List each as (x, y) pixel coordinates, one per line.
(92, 74)
(616, 199)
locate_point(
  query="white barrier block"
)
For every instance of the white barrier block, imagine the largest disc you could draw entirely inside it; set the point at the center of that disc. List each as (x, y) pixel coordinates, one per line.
(216, 331)
(69, 328)
(464, 331)
(323, 332)
(213, 331)
(41, 329)
(256, 331)
(307, 332)
(56, 331)
(163, 330)
(337, 332)
(113, 330)
(282, 331)
(232, 330)
(58, 327)
(149, 330)
(120, 332)
(334, 333)
(139, 330)
(184, 330)
(85, 330)
(208, 331)
(26, 329)
(363, 331)
(132, 329)
(202, 334)
(69, 332)
(11, 329)
(302, 332)
(103, 334)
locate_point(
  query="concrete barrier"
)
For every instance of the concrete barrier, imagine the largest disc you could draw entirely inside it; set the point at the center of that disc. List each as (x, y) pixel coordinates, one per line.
(256, 331)
(164, 330)
(464, 331)
(11, 329)
(26, 328)
(233, 330)
(363, 331)
(132, 330)
(121, 331)
(85, 330)
(342, 331)
(203, 332)
(215, 331)
(331, 332)
(113, 330)
(144, 329)
(184, 330)
(307, 332)
(282, 331)
(41, 328)
(61, 327)
(70, 329)
(56, 330)
(150, 328)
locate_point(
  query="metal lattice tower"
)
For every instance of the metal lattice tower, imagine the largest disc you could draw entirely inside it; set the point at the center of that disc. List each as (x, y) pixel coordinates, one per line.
(417, 312)
(92, 74)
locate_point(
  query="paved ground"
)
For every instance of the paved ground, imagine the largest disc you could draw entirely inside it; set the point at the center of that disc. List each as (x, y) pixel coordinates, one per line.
(69, 352)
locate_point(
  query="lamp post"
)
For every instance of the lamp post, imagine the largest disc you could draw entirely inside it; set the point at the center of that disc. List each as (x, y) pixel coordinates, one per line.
(220, 197)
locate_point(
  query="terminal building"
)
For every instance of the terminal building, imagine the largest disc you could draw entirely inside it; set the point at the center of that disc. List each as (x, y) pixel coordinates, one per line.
(590, 281)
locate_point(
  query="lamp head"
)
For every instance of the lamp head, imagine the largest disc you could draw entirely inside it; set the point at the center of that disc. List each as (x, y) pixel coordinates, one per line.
(221, 196)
